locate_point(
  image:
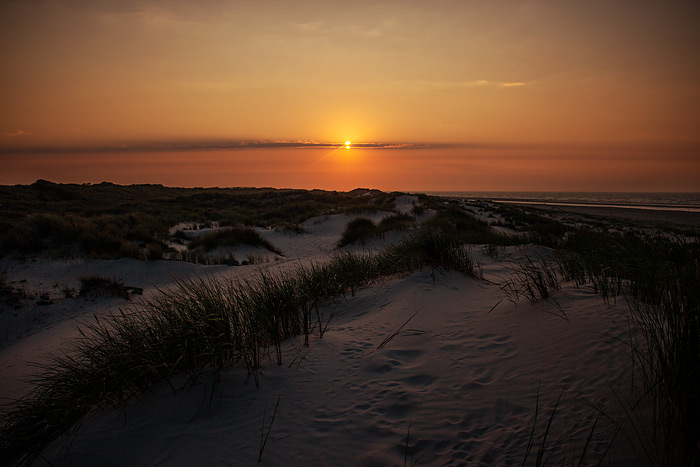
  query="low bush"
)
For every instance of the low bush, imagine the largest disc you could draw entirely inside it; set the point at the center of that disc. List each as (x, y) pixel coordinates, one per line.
(395, 222)
(357, 230)
(97, 286)
(231, 236)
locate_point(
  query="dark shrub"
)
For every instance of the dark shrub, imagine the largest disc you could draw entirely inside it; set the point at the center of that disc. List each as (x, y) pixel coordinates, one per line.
(357, 230)
(98, 286)
(231, 236)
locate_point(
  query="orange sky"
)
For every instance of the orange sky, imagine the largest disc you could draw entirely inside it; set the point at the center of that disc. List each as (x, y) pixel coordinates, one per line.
(528, 95)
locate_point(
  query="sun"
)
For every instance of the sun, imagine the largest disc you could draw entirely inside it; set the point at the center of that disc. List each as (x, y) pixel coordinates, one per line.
(347, 144)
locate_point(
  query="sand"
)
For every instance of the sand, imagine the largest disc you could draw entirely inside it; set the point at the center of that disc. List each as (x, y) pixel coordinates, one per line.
(458, 384)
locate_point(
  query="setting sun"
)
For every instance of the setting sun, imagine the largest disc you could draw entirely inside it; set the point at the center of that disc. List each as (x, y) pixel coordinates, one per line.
(547, 104)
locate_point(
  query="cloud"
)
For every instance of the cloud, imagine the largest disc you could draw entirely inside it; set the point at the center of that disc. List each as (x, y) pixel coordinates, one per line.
(475, 83)
(311, 27)
(156, 146)
(13, 133)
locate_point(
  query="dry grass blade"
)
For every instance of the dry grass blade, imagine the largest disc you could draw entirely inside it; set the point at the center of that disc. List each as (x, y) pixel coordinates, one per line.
(265, 435)
(540, 453)
(396, 333)
(534, 425)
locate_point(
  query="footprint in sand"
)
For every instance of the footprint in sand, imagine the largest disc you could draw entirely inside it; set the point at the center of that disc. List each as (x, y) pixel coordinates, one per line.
(406, 355)
(420, 380)
(398, 411)
(355, 350)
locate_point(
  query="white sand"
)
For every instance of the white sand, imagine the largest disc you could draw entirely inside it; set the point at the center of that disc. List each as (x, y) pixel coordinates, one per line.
(464, 380)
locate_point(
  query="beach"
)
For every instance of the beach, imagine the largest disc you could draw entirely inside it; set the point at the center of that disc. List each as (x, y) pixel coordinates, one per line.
(334, 233)
(430, 367)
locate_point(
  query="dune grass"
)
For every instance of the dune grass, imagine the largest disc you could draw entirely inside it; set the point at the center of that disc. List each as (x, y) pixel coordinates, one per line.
(358, 230)
(111, 221)
(104, 236)
(205, 258)
(533, 279)
(361, 229)
(230, 237)
(541, 229)
(396, 222)
(661, 277)
(97, 286)
(200, 325)
(466, 228)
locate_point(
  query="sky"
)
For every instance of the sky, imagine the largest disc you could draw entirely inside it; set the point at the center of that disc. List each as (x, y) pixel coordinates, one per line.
(451, 95)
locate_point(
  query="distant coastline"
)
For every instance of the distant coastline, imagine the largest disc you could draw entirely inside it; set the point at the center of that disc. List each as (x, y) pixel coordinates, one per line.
(677, 208)
(635, 200)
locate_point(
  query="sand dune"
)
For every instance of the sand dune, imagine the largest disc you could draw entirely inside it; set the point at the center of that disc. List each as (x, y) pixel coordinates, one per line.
(434, 368)
(465, 381)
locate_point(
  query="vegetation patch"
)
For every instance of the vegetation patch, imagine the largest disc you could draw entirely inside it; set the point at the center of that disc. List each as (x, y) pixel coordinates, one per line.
(662, 277)
(231, 237)
(361, 229)
(95, 286)
(533, 280)
(110, 221)
(290, 228)
(395, 222)
(358, 230)
(11, 295)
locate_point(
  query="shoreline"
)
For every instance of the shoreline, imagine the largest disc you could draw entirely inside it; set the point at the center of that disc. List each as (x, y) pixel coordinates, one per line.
(684, 218)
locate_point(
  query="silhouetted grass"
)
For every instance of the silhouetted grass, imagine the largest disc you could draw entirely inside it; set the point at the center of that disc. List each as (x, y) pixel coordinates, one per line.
(429, 248)
(662, 277)
(466, 228)
(361, 229)
(544, 446)
(533, 280)
(357, 230)
(93, 285)
(205, 258)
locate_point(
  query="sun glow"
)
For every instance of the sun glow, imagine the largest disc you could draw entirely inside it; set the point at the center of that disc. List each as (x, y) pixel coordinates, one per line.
(347, 144)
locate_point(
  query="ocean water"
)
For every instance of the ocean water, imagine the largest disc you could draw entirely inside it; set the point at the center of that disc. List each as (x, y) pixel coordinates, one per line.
(681, 202)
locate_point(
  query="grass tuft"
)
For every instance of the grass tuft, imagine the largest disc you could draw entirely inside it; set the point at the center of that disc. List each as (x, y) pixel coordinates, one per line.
(98, 286)
(230, 237)
(533, 280)
(358, 230)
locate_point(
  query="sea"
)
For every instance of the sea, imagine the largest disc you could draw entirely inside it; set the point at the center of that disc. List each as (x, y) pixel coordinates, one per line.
(678, 202)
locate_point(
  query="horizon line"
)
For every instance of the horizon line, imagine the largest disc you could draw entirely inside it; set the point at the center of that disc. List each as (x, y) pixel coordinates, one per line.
(218, 144)
(158, 146)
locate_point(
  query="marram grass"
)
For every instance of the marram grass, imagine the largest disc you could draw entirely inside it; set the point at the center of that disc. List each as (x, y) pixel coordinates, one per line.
(200, 325)
(661, 278)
